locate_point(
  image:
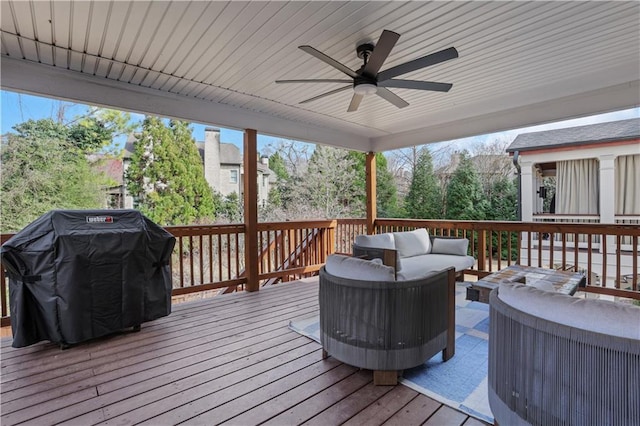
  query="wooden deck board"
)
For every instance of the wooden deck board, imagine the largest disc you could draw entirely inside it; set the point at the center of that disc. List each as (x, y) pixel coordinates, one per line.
(228, 359)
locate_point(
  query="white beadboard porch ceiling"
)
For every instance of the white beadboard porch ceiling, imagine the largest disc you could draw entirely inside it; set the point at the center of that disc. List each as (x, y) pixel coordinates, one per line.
(521, 63)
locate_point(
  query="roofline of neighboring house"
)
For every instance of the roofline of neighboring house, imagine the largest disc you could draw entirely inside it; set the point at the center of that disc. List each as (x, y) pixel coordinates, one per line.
(568, 146)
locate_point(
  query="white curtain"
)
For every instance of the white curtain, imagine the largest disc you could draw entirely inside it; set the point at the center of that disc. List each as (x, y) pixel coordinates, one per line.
(628, 184)
(577, 187)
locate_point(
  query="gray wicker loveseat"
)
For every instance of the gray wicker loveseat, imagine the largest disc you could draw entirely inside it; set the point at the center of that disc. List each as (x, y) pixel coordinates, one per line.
(561, 360)
(370, 320)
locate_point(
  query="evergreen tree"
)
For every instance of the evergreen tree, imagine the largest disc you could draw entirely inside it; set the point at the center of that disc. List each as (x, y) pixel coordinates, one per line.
(504, 206)
(42, 170)
(465, 199)
(329, 187)
(424, 199)
(166, 176)
(386, 192)
(280, 194)
(503, 200)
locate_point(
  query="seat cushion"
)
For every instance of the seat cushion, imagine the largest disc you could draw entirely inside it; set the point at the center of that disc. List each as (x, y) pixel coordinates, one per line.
(600, 316)
(358, 269)
(383, 241)
(418, 266)
(412, 243)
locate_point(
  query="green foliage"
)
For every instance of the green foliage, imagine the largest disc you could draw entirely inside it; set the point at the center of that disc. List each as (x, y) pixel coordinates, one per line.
(280, 194)
(42, 171)
(230, 208)
(465, 199)
(424, 199)
(503, 198)
(386, 192)
(98, 127)
(42, 130)
(166, 175)
(329, 186)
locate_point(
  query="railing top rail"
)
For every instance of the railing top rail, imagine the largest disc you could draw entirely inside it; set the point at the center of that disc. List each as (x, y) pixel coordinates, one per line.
(298, 224)
(579, 228)
(184, 231)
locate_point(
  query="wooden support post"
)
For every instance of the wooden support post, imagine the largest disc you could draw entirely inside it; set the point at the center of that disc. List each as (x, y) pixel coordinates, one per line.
(251, 209)
(482, 250)
(370, 166)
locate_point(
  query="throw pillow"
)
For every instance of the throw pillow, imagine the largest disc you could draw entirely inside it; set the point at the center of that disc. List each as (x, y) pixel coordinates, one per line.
(412, 243)
(358, 269)
(456, 246)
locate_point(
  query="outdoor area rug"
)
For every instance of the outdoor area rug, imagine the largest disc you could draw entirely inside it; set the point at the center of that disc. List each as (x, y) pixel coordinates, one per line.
(461, 382)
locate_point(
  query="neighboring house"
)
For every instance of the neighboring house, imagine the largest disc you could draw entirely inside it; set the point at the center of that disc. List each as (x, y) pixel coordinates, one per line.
(116, 196)
(597, 172)
(223, 166)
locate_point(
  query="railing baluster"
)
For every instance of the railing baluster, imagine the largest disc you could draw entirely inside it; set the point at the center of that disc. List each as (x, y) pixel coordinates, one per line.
(618, 247)
(603, 248)
(200, 252)
(551, 238)
(180, 242)
(589, 258)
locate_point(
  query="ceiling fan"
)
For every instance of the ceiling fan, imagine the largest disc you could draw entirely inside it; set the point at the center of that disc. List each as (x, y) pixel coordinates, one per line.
(367, 80)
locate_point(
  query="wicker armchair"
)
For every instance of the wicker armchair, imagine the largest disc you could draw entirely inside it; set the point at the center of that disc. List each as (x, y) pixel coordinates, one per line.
(544, 372)
(387, 326)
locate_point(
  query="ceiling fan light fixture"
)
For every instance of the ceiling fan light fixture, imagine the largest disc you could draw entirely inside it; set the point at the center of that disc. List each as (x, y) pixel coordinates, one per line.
(365, 89)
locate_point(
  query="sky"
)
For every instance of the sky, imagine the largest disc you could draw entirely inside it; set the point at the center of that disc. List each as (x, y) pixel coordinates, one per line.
(17, 108)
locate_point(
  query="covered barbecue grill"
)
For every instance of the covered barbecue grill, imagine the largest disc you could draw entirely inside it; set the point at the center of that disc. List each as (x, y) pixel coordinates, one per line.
(79, 274)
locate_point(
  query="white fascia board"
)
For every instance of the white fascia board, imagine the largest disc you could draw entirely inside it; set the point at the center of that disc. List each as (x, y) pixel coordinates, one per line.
(59, 83)
(614, 98)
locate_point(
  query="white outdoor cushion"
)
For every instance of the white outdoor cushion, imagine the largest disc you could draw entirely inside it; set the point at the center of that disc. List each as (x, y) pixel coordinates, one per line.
(414, 267)
(358, 269)
(412, 243)
(383, 241)
(600, 316)
(455, 246)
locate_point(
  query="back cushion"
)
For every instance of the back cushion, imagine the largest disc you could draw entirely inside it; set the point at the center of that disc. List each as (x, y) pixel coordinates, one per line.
(600, 316)
(413, 243)
(456, 246)
(358, 269)
(384, 241)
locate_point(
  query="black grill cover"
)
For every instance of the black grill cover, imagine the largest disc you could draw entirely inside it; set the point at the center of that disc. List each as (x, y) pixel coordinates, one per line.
(80, 274)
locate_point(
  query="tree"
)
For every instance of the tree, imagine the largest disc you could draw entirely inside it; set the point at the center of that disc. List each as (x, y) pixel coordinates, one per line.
(328, 187)
(424, 200)
(503, 200)
(386, 196)
(280, 194)
(465, 199)
(166, 175)
(96, 129)
(41, 171)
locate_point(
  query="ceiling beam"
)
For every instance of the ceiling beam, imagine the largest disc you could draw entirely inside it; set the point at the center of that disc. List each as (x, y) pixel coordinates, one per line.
(49, 81)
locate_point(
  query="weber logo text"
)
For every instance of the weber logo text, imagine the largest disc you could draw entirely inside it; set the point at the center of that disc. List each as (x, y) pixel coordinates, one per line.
(99, 219)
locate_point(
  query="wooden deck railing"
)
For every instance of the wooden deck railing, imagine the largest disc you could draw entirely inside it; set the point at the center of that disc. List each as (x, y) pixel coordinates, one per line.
(212, 257)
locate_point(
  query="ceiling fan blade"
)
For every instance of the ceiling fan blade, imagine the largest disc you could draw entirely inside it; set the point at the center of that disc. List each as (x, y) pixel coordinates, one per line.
(380, 53)
(388, 95)
(342, 89)
(355, 102)
(419, 85)
(322, 80)
(416, 64)
(324, 58)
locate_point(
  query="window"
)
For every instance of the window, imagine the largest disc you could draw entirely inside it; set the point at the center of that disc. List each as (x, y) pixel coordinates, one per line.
(234, 176)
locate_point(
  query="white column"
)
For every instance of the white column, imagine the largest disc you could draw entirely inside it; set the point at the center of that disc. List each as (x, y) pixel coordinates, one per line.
(527, 189)
(607, 189)
(608, 210)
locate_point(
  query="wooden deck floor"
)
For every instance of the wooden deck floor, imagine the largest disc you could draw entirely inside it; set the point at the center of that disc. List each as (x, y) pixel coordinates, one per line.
(229, 359)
